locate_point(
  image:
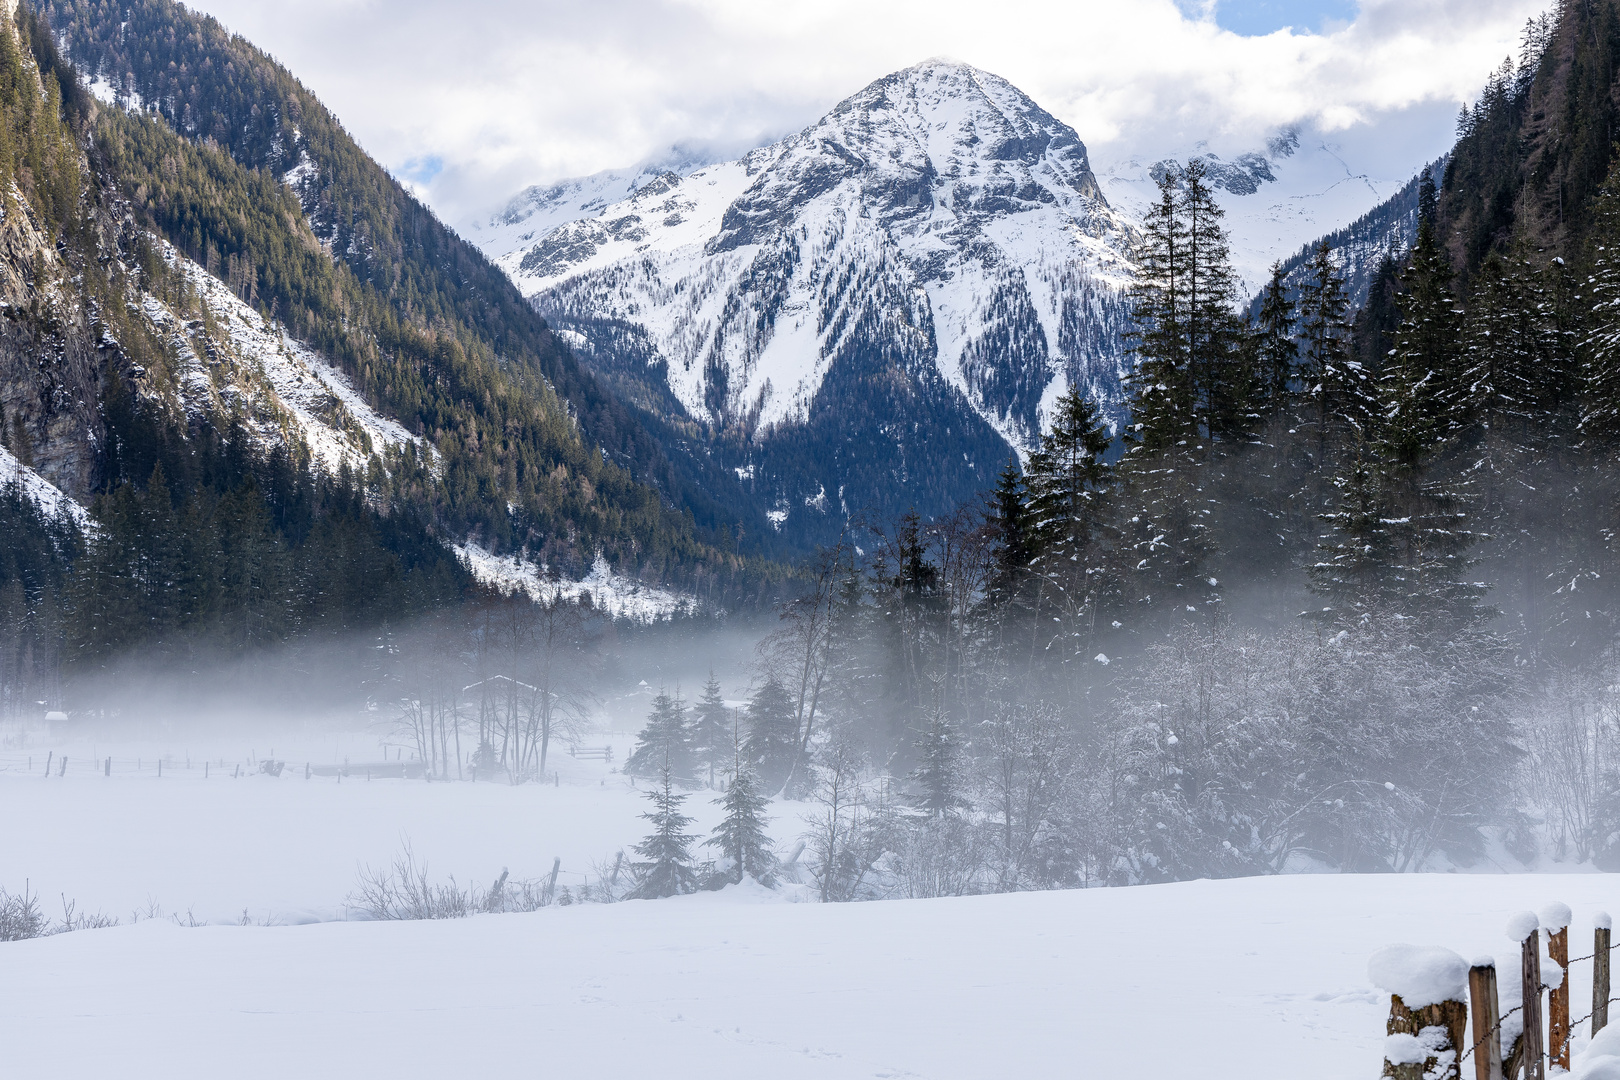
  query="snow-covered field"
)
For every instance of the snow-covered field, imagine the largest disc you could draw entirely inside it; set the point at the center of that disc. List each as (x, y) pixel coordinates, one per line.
(1249, 978)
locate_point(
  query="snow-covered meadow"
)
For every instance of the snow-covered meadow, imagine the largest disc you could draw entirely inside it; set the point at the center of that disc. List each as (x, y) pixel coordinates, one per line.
(1259, 977)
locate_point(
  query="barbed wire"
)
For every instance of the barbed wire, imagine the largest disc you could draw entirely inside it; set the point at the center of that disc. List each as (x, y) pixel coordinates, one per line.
(1593, 955)
(1547, 1053)
(1495, 1028)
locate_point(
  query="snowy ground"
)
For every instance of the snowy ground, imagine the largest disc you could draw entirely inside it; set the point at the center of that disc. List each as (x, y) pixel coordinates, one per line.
(1252, 978)
(289, 850)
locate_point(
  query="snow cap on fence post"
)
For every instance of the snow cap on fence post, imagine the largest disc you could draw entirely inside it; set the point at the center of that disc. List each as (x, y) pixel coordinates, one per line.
(1554, 917)
(1522, 925)
(1419, 974)
(1601, 921)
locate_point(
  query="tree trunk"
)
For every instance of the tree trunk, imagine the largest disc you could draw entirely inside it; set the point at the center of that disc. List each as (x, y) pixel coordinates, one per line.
(1441, 1026)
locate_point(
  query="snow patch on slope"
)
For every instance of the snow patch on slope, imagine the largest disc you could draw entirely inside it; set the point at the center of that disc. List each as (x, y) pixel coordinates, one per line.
(615, 594)
(282, 389)
(50, 499)
(540, 209)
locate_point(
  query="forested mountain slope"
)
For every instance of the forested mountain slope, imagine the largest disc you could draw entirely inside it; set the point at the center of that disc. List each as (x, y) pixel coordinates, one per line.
(246, 173)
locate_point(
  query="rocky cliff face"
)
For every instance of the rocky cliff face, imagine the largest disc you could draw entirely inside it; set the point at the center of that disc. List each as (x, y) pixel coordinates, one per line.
(870, 314)
(51, 358)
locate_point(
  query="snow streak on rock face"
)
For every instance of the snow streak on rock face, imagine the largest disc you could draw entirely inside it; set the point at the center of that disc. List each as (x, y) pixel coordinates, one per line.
(938, 222)
(40, 491)
(619, 596)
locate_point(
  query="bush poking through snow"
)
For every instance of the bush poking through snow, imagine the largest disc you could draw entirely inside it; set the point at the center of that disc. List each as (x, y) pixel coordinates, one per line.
(21, 917)
(403, 890)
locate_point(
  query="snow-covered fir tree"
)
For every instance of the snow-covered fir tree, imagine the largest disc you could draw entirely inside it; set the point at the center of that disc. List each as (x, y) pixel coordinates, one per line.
(935, 785)
(1601, 342)
(741, 836)
(666, 868)
(1274, 346)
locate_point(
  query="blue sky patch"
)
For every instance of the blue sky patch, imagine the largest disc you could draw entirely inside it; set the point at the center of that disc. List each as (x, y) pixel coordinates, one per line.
(1254, 18)
(421, 170)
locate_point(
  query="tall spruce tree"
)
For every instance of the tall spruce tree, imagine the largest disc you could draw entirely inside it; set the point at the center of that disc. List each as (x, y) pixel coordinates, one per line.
(1190, 381)
(1420, 381)
(1011, 525)
(741, 835)
(1274, 347)
(666, 869)
(1600, 344)
(1401, 531)
(1068, 477)
(772, 745)
(1069, 480)
(1164, 399)
(1503, 352)
(936, 782)
(1190, 391)
(665, 742)
(711, 730)
(1355, 568)
(1341, 388)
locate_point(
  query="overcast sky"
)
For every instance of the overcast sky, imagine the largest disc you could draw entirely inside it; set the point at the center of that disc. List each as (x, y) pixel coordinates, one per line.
(476, 99)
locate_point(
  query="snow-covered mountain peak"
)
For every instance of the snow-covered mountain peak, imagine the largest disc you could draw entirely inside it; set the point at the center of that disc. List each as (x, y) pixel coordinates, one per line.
(940, 136)
(922, 271)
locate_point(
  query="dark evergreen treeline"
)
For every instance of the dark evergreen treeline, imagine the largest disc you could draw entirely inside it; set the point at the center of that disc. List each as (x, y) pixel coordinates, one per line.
(202, 545)
(203, 551)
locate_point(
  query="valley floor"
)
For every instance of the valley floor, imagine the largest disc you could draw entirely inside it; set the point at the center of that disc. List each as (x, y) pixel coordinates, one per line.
(1251, 978)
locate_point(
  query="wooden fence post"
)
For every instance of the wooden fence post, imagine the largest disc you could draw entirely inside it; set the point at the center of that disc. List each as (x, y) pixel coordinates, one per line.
(48, 762)
(1533, 1054)
(63, 770)
(551, 886)
(1600, 972)
(1487, 1039)
(1425, 1039)
(1555, 917)
(107, 771)
(1449, 1016)
(160, 768)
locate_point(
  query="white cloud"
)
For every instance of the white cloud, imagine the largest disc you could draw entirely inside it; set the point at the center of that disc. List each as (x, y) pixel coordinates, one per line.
(507, 93)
